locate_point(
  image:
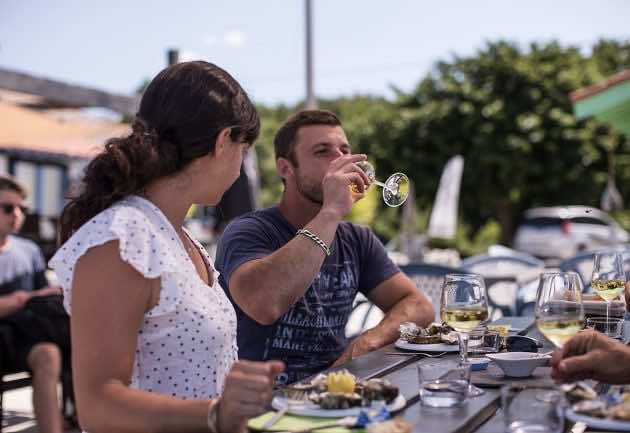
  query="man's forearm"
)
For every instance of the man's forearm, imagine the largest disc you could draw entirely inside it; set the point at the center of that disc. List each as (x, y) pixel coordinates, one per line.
(268, 287)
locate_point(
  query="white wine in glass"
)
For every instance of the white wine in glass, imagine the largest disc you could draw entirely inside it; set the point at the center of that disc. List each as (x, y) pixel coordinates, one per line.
(465, 319)
(464, 306)
(608, 277)
(395, 188)
(559, 309)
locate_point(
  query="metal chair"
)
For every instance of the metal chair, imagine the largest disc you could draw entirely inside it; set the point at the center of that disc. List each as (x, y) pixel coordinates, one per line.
(429, 279)
(583, 265)
(505, 278)
(497, 261)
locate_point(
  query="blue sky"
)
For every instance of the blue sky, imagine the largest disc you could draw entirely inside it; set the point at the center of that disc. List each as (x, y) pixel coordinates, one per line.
(361, 46)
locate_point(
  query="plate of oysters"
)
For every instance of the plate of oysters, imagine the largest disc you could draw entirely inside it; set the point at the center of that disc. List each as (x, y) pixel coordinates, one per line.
(607, 411)
(338, 394)
(435, 338)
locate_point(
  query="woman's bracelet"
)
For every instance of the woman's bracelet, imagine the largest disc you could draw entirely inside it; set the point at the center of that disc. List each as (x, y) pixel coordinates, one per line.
(213, 416)
(315, 239)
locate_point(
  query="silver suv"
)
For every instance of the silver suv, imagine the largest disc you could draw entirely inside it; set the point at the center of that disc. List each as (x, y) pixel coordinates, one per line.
(563, 231)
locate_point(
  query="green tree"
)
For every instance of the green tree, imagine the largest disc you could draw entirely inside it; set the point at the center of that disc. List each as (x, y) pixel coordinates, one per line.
(507, 111)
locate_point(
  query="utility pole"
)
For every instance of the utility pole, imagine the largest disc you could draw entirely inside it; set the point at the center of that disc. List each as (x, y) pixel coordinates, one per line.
(172, 56)
(311, 102)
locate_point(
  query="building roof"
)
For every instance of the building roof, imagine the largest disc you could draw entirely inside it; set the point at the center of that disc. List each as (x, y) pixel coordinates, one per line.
(69, 133)
(608, 101)
(611, 81)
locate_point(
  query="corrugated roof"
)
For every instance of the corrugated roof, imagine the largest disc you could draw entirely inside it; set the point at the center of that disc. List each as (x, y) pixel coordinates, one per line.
(38, 131)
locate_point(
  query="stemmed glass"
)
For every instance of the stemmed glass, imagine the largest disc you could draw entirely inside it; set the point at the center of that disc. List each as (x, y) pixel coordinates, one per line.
(559, 309)
(464, 306)
(395, 188)
(608, 276)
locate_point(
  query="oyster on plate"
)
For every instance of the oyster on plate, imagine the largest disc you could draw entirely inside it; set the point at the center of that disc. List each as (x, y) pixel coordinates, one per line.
(336, 400)
(377, 389)
(577, 392)
(332, 391)
(595, 408)
(301, 390)
(435, 333)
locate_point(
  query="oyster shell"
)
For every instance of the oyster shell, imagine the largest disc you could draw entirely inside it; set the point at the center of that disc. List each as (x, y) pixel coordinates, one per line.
(435, 333)
(377, 389)
(301, 390)
(336, 400)
(579, 391)
(591, 408)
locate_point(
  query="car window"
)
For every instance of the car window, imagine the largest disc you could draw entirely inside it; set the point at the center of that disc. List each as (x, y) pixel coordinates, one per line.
(542, 222)
(588, 220)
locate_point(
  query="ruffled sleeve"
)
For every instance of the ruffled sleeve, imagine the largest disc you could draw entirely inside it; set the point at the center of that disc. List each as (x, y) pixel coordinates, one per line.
(144, 243)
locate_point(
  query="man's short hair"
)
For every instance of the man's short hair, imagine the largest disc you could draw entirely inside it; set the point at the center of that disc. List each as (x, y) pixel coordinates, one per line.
(10, 184)
(284, 141)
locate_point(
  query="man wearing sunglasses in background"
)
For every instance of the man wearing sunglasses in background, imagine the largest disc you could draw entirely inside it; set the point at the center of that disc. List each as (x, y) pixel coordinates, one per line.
(25, 341)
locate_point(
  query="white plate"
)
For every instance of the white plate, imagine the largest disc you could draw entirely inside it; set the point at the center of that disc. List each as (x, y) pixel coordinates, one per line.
(599, 423)
(438, 347)
(308, 408)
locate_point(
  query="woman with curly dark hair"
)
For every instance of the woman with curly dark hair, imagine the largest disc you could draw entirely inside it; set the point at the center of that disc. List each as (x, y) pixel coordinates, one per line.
(154, 336)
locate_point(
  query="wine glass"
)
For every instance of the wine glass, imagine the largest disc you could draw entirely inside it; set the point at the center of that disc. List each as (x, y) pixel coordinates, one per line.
(608, 276)
(559, 309)
(395, 188)
(464, 306)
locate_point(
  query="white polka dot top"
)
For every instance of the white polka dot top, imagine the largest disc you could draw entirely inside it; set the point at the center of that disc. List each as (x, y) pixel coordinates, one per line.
(187, 342)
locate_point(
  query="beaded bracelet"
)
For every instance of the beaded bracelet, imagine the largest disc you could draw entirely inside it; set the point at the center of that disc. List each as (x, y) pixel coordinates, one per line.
(213, 416)
(315, 239)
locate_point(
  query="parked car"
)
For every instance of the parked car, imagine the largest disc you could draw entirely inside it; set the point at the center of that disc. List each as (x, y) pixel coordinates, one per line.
(563, 231)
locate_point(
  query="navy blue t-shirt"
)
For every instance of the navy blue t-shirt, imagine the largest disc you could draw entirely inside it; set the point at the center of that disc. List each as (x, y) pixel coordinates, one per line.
(310, 336)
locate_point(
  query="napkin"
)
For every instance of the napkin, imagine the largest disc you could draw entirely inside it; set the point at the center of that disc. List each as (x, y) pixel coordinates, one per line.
(294, 422)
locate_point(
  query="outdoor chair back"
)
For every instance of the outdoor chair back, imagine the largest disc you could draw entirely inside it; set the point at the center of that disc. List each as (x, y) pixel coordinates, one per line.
(506, 277)
(582, 264)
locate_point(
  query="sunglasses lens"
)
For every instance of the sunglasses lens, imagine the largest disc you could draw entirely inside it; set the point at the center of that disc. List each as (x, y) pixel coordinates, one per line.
(521, 344)
(9, 208)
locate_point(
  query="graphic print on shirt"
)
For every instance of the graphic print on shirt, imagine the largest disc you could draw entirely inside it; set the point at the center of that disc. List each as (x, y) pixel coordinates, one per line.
(312, 334)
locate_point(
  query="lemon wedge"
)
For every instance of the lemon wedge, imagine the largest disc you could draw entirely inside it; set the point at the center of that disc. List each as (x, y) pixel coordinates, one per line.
(340, 382)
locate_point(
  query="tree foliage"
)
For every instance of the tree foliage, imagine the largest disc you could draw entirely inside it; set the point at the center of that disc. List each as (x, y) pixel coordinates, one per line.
(506, 109)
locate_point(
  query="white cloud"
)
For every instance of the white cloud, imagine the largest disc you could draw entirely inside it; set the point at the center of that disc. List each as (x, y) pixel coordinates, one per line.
(234, 38)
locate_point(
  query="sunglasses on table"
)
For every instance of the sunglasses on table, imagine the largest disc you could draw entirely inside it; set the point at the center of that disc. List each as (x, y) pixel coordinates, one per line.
(519, 343)
(9, 208)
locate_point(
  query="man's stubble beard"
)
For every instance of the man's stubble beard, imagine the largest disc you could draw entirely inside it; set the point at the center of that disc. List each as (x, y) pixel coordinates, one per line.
(311, 192)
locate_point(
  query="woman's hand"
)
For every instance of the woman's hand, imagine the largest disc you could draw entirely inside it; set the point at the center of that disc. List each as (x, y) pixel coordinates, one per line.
(592, 355)
(247, 392)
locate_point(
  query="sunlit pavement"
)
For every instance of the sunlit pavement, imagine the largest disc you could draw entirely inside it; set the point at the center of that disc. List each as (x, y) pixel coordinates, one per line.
(18, 412)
